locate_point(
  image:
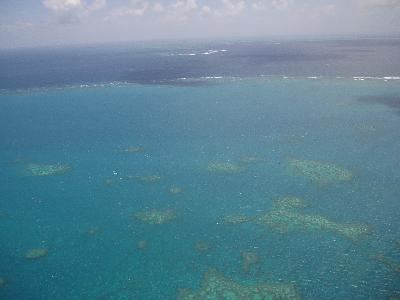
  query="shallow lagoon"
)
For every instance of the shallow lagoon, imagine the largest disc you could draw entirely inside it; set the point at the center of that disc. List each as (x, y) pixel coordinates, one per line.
(85, 217)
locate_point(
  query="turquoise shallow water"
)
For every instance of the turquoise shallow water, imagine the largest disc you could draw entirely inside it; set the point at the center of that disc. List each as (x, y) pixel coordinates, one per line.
(181, 130)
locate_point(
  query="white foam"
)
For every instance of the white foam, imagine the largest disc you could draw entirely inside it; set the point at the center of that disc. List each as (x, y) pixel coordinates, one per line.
(187, 54)
(208, 52)
(365, 77)
(385, 78)
(212, 77)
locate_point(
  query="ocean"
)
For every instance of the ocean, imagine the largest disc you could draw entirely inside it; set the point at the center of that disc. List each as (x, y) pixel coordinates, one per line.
(237, 169)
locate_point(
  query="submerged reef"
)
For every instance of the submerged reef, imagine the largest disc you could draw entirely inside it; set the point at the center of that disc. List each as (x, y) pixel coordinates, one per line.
(144, 178)
(132, 149)
(388, 262)
(92, 231)
(320, 172)
(142, 244)
(3, 282)
(291, 139)
(290, 202)
(249, 260)
(235, 219)
(175, 190)
(46, 169)
(218, 287)
(389, 100)
(365, 128)
(202, 246)
(109, 182)
(156, 216)
(285, 217)
(225, 167)
(285, 221)
(36, 253)
(249, 159)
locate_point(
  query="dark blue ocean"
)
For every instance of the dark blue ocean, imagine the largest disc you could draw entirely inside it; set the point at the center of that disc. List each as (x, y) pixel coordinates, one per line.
(135, 171)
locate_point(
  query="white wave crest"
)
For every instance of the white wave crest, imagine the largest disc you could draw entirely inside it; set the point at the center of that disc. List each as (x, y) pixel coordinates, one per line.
(208, 52)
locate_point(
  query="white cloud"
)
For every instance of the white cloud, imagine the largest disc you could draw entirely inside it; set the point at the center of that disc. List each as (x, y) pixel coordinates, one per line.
(312, 11)
(380, 3)
(62, 5)
(67, 11)
(271, 4)
(181, 10)
(97, 4)
(387, 11)
(206, 11)
(232, 8)
(327, 9)
(158, 7)
(136, 9)
(71, 11)
(178, 10)
(184, 5)
(279, 4)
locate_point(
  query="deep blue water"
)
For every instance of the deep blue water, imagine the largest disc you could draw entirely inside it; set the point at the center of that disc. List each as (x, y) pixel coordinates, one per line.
(155, 62)
(61, 108)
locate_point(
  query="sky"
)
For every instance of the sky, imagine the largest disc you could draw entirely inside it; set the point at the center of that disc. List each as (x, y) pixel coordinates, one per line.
(30, 23)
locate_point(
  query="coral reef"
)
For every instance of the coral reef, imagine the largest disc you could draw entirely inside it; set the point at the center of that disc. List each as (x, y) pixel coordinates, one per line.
(3, 282)
(109, 182)
(202, 246)
(156, 216)
(289, 202)
(319, 172)
(284, 221)
(365, 128)
(46, 169)
(142, 244)
(284, 217)
(249, 159)
(93, 231)
(388, 262)
(249, 259)
(175, 190)
(235, 219)
(217, 287)
(225, 167)
(36, 253)
(131, 149)
(291, 139)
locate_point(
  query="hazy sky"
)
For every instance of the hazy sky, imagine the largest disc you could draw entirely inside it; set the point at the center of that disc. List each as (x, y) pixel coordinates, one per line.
(55, 22)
